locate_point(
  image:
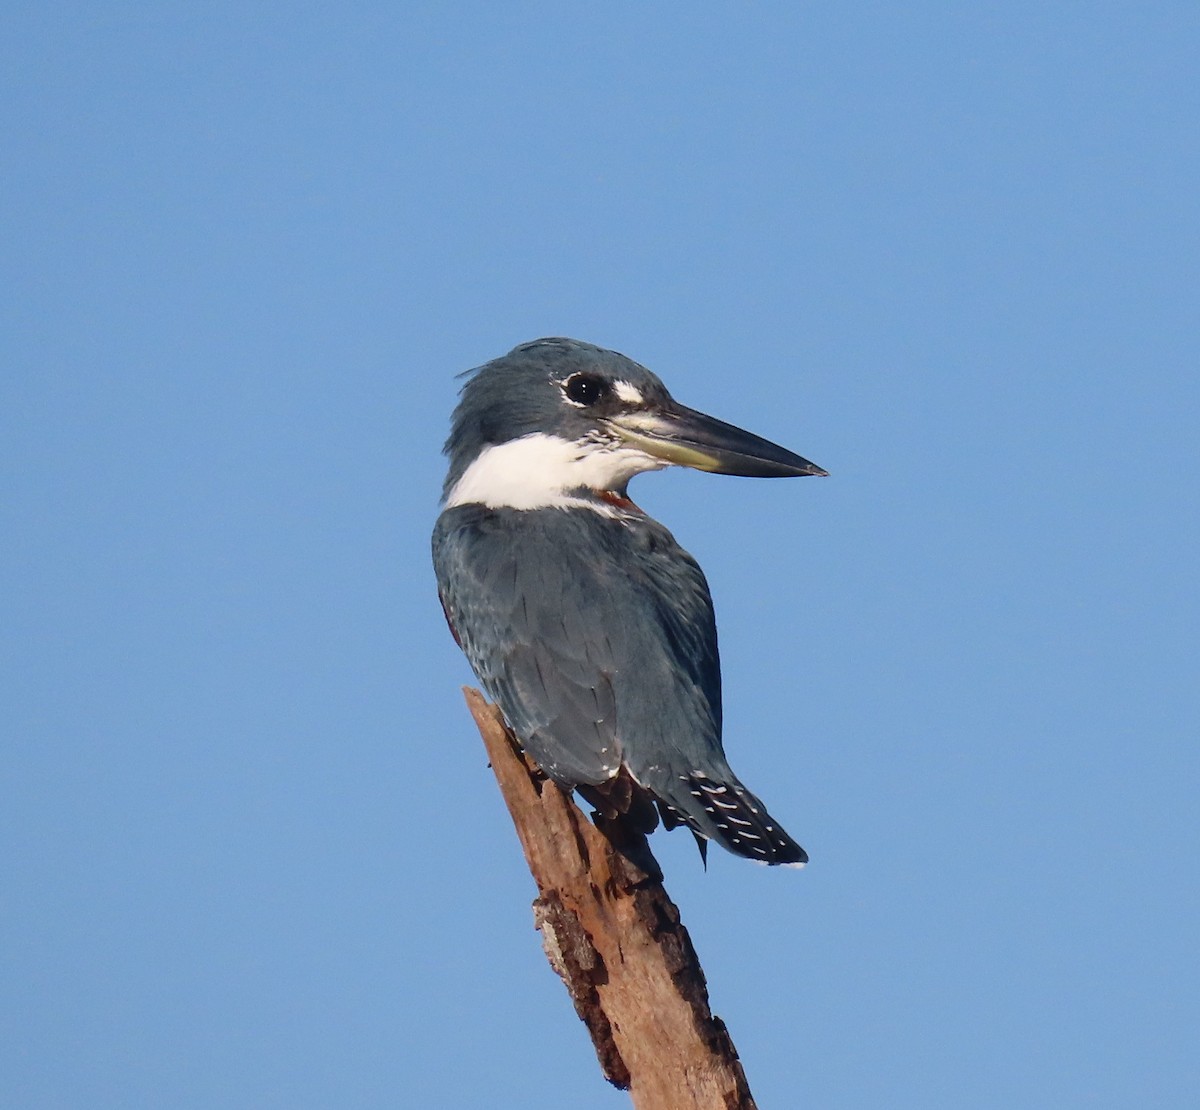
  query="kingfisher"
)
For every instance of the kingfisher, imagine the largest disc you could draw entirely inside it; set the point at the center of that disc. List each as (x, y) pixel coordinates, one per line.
(583, 618)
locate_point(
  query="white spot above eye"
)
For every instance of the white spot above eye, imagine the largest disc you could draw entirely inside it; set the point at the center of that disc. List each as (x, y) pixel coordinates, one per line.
(539, 471)
(628, 393)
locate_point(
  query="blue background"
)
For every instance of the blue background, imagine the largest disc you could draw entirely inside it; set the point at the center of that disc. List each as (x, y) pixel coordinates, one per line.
(252, 855)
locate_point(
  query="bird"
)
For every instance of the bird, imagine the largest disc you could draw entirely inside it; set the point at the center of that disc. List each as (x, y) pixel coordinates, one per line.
(585, 621)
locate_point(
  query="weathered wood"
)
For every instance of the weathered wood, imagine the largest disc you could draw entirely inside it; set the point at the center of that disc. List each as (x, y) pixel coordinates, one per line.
(615, 939)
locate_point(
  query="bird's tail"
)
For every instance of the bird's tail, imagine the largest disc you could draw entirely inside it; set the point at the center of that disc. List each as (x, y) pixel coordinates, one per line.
(725, 811)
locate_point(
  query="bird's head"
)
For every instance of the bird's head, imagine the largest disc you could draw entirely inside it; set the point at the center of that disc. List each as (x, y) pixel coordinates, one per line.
(557, 416)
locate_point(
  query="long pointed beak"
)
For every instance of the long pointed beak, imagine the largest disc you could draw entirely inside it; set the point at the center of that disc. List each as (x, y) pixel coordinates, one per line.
(686, 437)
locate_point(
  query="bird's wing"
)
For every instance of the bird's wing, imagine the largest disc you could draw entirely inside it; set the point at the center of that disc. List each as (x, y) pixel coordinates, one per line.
(531, 621)
(595, 637)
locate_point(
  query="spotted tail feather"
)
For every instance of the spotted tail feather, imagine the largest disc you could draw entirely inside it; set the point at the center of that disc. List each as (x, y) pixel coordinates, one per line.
(729, 814)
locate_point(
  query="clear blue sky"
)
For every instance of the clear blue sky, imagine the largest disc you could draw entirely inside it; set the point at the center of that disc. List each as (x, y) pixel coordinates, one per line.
(252, 855)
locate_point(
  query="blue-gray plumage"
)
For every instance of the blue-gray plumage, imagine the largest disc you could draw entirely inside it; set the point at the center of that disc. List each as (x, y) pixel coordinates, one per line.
(586, 622)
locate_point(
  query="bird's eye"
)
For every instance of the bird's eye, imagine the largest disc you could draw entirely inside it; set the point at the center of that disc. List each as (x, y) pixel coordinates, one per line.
(584, 389)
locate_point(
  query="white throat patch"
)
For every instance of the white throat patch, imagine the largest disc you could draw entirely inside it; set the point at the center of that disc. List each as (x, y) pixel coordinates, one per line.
(537, 472)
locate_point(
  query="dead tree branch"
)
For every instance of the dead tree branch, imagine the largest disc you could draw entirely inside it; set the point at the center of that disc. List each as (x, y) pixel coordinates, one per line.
(615, 939)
